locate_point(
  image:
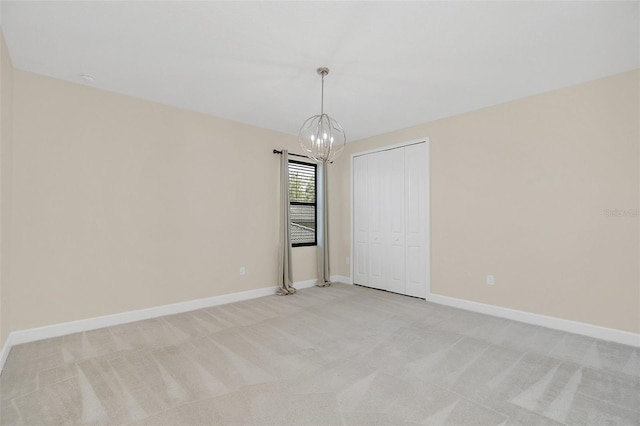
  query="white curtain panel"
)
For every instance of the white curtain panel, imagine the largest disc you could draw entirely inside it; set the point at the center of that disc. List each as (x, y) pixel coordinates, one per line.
(285, 275)
(324, 272)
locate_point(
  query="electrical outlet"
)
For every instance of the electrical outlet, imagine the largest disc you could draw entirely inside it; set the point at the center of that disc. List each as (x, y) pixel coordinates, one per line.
(243, 270)
(491, 280)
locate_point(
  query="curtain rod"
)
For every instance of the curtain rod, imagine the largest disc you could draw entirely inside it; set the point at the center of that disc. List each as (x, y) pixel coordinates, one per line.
(275, 151)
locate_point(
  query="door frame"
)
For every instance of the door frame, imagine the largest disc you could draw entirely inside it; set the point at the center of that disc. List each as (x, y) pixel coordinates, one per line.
(427, 213)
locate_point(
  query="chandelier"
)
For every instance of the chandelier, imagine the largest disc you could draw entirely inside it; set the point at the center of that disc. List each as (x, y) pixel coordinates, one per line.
(321, 137)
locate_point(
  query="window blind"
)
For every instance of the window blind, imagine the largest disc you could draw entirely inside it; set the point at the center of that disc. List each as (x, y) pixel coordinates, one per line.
(302, 199)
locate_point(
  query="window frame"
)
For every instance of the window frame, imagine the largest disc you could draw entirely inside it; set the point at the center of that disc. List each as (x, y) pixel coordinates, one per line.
(301, 203)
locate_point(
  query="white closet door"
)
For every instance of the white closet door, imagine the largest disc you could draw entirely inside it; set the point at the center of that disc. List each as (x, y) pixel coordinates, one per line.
(391, 220)
(378, 220)
(395, 241)
(361, 220)
(416, 190)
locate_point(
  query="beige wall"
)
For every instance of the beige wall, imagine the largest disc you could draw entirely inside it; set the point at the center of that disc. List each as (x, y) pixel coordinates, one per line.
(122, 204)
(520, 190)
(6, 121)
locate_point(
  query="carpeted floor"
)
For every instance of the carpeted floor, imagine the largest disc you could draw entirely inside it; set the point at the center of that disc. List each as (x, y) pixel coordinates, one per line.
(328, 356)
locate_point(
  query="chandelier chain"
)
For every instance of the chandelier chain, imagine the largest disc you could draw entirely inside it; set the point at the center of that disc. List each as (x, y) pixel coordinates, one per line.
(322, 96)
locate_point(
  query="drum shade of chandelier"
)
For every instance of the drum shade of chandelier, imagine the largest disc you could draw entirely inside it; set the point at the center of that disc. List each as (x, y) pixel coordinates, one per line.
(321, 137)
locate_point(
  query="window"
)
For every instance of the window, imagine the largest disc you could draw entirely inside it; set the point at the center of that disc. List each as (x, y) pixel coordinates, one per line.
(302, 203)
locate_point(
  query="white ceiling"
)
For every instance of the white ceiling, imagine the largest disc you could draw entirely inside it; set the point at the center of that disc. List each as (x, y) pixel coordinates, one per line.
(393, 64)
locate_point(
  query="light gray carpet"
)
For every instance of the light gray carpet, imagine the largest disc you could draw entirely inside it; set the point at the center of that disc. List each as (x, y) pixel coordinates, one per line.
(327, 356)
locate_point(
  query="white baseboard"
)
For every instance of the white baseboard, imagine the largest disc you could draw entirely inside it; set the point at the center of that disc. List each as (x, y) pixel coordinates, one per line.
(341, 279)
(590, 330)
(55, 330)
(40, 333)
(5, 351)
(304, 284)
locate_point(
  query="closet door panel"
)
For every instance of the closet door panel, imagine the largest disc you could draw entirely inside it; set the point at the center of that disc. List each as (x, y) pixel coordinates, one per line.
(394, 160)
(378, 220)
(416, 214)
(415, 272)
(361, 221)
